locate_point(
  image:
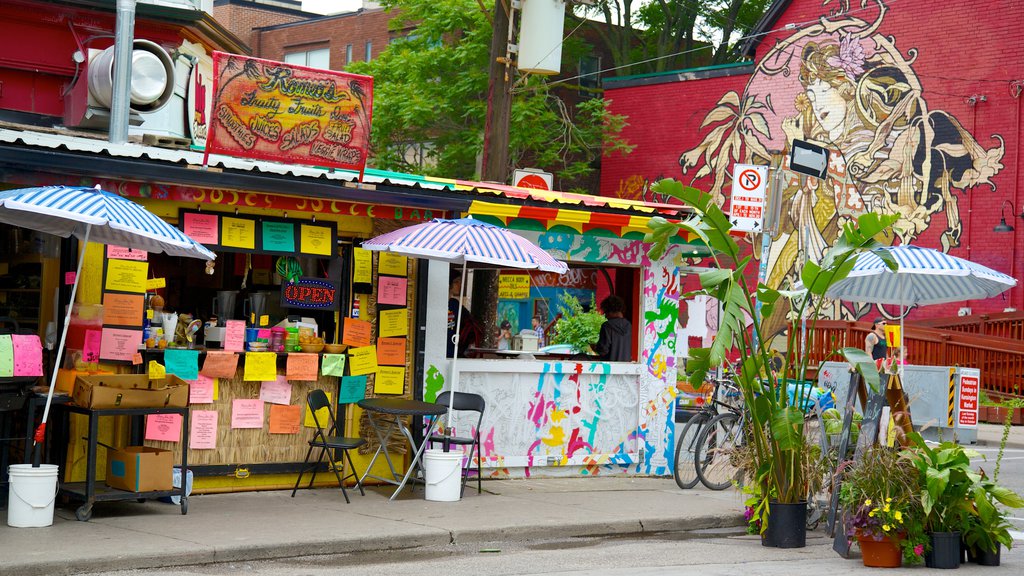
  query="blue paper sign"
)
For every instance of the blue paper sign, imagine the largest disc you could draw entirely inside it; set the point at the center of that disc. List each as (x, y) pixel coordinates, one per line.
(182, 363)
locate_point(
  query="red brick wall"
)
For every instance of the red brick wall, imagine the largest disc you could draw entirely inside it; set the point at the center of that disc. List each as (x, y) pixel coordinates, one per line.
(950, 50)
(335, 32)
(241, 20)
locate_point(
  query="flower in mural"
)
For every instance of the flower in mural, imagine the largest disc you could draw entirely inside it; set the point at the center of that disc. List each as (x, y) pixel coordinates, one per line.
(843, 85)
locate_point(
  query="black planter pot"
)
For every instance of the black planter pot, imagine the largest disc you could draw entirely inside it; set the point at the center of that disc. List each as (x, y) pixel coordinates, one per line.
(945, 552)
(787, 525)
(984, 557)
(767, 537)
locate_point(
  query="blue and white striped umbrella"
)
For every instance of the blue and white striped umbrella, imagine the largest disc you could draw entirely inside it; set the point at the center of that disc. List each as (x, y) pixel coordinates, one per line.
(924, 276)
(110, 219)
(466, 240)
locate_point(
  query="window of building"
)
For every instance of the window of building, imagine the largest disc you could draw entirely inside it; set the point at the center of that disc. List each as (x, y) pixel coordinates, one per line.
(369, 50)
(318, 58)
(348, 54)
(590, 77)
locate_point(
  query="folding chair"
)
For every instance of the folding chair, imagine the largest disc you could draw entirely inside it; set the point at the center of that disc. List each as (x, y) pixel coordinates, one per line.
(322, 439)
(468, 402)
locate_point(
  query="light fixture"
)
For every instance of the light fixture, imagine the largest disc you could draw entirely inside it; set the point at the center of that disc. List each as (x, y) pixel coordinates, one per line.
(1003, 226)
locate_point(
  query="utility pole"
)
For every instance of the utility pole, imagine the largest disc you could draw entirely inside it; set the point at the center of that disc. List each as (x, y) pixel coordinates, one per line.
(499, 99)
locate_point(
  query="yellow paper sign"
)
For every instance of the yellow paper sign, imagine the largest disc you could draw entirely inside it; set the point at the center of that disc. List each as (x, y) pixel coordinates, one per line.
(321, 415)
(126, 275)
(389, 380)
(149, 314)
(216, 390)
(362, 360)
(513, 286)
(892, 336)
(238, 233)
(261, 276)
(260, 366)
(154, 283)
(362, 266)
(393, 323)
(264, 320)
(315, 240)
(156, 370)
(391, 264)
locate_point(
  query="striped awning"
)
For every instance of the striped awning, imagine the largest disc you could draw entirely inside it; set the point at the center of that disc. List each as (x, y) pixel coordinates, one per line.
(924, 276)
(466, 240)
(111, 219)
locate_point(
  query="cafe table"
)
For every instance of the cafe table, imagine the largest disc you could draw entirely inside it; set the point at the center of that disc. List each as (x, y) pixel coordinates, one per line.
(385, 415)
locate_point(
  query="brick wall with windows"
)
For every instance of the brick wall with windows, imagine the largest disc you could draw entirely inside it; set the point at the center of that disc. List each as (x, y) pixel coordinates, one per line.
(241, 18)
(358, 29)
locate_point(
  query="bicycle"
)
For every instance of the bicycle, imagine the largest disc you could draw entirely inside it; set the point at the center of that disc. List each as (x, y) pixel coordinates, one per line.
(685, 474)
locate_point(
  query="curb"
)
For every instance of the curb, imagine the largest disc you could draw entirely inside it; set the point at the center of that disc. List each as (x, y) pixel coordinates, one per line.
(370, 543)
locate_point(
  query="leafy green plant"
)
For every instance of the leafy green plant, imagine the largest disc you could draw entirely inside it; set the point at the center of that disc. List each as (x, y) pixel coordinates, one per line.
(988, 528)
(577, 328)
(776, 417)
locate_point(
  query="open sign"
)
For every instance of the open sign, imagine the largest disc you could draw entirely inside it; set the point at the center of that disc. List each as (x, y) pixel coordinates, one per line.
(310, 294)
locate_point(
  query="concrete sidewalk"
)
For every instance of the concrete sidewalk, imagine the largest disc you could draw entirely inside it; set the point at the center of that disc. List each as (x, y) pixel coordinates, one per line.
(264, 525)
(990, 435)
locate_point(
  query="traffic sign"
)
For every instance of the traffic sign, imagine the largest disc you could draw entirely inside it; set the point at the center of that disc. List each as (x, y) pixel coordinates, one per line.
(746, 206)
(532, 178)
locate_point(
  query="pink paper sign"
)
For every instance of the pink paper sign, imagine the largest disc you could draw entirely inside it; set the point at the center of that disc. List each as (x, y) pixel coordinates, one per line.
(234, 335)
(122, 253)
(28, 355)
(391, 290)
(91, 347)
(202, 228)
(277, 391)
(69, 278)
(163, 427)
(246, 413)
(200, 390)
(119, 344)
(203, 435)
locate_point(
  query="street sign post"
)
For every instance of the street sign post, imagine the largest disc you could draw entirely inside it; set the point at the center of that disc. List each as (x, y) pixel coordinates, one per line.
(746, 207)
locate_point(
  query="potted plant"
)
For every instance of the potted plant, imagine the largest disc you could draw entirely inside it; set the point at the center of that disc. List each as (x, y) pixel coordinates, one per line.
(986, 531)
(776, 418)
(879, 493)
(576, 327)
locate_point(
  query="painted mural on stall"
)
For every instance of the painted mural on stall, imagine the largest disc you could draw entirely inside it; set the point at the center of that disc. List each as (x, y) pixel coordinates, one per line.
(846, 86)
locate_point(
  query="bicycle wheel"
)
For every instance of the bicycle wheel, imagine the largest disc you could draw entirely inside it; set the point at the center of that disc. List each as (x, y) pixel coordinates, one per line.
(685, 471)
(713, 457)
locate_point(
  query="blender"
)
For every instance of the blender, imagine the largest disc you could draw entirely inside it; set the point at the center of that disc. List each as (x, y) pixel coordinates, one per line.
(224, 310)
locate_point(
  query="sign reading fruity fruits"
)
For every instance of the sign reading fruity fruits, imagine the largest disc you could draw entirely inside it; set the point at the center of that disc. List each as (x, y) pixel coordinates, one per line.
(293, 114)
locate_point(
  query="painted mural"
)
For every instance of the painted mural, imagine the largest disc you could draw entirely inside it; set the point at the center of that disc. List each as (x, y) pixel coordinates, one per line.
(844, 85)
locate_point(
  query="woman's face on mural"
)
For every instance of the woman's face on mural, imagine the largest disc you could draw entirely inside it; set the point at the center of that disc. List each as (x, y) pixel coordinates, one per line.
(828, 104)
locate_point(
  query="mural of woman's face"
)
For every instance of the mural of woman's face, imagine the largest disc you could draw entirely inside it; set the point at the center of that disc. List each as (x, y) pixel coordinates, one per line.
(829, 106)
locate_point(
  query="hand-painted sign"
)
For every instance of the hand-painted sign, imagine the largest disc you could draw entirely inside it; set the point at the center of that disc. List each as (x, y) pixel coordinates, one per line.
(310, 294)
(292, 114)
(513, 286)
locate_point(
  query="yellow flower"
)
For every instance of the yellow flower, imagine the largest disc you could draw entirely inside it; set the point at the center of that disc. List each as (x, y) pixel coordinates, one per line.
(898, 516)
(885, 527)
(867, 502)
(888, 499)
(872, 513)
(886, 508)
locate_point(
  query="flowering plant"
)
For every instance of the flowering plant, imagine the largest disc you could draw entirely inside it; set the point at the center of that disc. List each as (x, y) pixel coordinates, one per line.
(877, 520)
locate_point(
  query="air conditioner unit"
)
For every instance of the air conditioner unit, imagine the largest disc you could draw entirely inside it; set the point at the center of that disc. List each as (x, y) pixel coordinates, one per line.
(152, 85)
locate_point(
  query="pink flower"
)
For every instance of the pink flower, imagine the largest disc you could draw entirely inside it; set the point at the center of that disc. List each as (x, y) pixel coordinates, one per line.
(919, 549)
(851, 57)
(748, 513)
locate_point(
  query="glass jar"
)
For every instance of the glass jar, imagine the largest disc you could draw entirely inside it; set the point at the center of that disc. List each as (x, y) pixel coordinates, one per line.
(291, 342)
(277, 339)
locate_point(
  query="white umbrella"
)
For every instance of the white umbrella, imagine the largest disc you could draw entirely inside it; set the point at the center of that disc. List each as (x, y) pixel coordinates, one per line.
(91, 214)
(923, 276)
(459, 242)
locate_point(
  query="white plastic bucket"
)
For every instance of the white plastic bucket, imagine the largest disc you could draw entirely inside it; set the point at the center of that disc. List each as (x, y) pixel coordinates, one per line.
(32, 492)
(443, 471)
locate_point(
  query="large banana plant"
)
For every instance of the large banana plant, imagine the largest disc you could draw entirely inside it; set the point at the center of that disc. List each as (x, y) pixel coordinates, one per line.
(776, 417)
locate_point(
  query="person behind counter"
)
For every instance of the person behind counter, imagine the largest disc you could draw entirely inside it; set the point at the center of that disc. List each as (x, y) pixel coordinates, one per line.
(614, 341)
(874, 343)
(469, 333)
(505, 336)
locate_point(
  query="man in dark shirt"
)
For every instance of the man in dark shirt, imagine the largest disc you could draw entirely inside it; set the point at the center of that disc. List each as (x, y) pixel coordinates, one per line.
(614, 343)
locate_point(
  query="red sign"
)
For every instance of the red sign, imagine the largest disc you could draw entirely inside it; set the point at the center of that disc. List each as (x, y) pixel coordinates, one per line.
(968, 412)
(291, 114)
(310, 293)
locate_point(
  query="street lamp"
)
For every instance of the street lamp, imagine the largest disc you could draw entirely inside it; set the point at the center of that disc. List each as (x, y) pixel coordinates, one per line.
(1003, 226)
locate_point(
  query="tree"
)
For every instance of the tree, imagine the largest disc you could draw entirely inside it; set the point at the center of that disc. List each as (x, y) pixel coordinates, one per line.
(644, 36)
(430, 88)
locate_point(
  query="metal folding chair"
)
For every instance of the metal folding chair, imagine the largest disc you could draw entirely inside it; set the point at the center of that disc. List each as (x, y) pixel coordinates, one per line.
(469, 402)
(323, 439)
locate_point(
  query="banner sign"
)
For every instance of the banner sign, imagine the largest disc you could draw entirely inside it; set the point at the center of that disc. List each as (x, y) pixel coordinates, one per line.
(310, 294)
(292, 114)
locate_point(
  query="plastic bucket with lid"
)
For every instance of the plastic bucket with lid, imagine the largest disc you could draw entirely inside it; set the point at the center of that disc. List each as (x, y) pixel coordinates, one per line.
(443, 471)
(32, 492)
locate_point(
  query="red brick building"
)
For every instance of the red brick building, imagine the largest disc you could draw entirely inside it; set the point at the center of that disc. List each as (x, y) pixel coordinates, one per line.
(919, 103)
(242, 17)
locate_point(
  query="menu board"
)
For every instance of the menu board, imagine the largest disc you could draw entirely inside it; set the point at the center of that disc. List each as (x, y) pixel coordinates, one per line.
(224, 232)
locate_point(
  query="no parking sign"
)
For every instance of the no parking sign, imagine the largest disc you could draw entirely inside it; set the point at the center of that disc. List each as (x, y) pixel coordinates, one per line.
(746, 208)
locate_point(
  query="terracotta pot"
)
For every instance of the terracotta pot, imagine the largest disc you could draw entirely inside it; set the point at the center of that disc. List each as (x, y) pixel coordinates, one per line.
(881, 551)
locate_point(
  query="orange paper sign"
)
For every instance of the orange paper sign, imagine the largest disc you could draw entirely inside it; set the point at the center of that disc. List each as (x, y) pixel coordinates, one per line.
(357, 332)
(285, 419)
(220, 365)
(391, 351)
(123, 309)
(302, 366)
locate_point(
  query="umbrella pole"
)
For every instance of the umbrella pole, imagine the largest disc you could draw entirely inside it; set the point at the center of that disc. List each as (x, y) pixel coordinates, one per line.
(40, 435)
(455, 358)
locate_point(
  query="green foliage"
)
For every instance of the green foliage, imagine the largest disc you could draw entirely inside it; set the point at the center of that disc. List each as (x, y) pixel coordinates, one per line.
(430, 101)
(946, 483)
(777, 423)
(577, 328)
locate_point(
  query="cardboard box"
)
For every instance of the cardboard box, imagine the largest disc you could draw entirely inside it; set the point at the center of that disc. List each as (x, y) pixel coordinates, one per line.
(140, 469)
(130, 391)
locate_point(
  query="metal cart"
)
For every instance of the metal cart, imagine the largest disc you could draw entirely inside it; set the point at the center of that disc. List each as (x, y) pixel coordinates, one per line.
(88, 491)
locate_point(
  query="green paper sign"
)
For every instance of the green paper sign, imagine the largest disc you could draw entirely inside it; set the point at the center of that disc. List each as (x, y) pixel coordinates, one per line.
(353, 389)
(279, 237)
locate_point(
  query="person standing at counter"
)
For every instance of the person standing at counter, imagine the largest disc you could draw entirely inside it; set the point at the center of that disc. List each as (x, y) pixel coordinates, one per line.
(614, 341)
(874, 343)
(469, 333)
